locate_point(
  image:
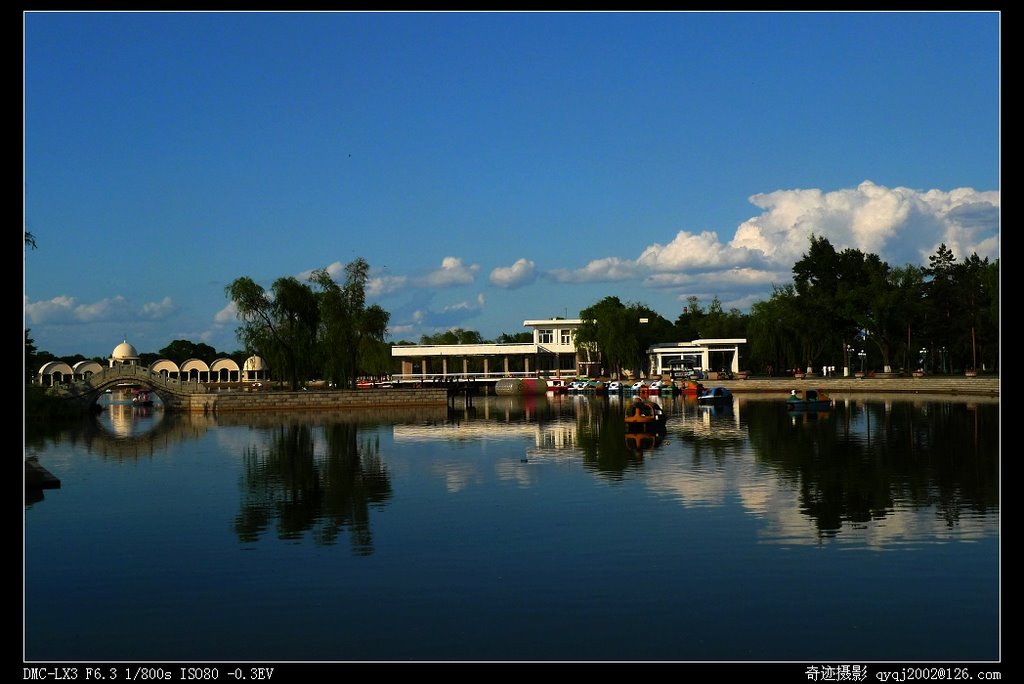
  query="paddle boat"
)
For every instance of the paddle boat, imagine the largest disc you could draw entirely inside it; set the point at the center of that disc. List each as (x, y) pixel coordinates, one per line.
(690, 388)
(141, 398)
(808, 400)
(715, 396)
(645, 416)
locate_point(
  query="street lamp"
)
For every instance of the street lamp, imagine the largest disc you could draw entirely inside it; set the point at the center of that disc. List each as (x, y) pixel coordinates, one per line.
(924, 355)
(862, 354)
(846, 367)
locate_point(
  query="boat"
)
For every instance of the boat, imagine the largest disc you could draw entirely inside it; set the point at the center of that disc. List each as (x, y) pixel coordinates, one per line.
(662, 387)
(808, 400)
(645, 416)
(141, 398)
(715, 396)
(690, 388)
(558, 386)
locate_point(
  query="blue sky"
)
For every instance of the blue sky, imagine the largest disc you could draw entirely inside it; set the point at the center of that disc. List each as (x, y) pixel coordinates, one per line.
(490, 167)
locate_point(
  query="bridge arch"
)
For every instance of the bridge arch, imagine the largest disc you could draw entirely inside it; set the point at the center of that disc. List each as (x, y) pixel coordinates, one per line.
(173, 393)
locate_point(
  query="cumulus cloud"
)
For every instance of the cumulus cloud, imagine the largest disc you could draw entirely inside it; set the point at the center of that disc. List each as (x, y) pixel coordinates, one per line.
(229, 314)
(67, 310)
(598, 270)
(383, 285)
(156, 311)
(522, 272)
(466, 305)
(901, 225)
(452, 272)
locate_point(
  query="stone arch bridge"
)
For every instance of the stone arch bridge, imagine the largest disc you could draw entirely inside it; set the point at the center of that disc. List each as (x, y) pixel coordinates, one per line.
(175, 394)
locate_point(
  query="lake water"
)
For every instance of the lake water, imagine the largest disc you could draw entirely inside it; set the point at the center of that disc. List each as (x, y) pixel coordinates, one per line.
(521, 529)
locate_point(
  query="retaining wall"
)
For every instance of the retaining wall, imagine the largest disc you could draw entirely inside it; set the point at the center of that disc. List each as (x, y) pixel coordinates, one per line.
(216, 402)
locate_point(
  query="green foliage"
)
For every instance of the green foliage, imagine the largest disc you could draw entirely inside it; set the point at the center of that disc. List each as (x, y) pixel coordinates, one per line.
(180, 351)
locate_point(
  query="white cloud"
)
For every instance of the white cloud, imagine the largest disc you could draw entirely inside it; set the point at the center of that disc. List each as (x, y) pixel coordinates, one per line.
(900, 225)
(156, 311)
(64, 309)
(452, 272)
(383, 285)
(229, 314)
(467, 306)
(522, 272)
(598, 270)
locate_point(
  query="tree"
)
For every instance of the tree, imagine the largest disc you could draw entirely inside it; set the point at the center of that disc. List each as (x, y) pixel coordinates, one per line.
(775, 329)
(31, 358)
(281, 325)
(180, 351)
(351, 335)
(613, 332)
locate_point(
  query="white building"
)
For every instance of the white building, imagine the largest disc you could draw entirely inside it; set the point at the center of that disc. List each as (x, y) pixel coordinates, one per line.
(553, 354)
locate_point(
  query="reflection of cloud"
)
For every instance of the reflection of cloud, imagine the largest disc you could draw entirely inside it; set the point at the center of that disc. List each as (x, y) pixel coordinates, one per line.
(457, 476)
(775, 503)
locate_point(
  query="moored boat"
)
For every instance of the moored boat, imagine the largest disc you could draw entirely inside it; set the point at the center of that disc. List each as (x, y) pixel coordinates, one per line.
(690, 388)
(645, 416)
(715, 396)
(808, 400)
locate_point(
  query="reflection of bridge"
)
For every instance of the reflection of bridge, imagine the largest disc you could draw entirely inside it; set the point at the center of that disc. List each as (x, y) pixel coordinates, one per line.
(172, 392)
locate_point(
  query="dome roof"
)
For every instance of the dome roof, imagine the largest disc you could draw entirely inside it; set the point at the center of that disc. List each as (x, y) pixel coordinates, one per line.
(255, 363)
(124, 351)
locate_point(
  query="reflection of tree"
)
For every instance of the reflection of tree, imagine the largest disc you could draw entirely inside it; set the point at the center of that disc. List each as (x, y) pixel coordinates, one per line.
(304, 492)
(853, 466)
(601, 437)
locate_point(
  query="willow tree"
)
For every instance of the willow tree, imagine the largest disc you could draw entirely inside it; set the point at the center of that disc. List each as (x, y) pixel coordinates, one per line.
(619, 334)
(351, 335)
(280, 325)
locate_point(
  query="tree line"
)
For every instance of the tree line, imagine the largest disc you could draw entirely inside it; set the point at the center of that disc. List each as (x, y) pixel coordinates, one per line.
(841, 308)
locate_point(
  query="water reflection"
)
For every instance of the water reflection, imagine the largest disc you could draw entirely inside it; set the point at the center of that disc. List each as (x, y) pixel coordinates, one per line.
(861, 473)
(319, 483)
(520, 529)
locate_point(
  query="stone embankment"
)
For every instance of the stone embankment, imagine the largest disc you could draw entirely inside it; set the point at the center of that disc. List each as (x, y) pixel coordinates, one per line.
(216, 402)
(315, 400)
(985, 385)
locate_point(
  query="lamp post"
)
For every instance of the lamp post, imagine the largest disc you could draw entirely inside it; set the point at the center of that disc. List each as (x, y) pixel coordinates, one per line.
(924, 356)
(846, 366)
(862, 354)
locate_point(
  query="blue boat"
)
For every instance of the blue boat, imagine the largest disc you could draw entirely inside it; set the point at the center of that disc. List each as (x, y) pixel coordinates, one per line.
(808, 400)
(715, 396)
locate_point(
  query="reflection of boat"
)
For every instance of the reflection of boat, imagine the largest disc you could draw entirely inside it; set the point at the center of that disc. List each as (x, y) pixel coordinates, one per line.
(808, 400)
(808, 416)
(141, 398)
(645, 416)
(643, 441)
(715, 396)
